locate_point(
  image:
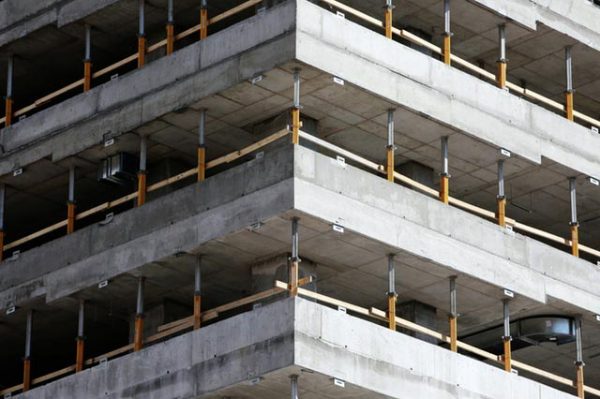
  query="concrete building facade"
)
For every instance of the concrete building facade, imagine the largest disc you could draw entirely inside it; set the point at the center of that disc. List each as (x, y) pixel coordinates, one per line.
(305, 199)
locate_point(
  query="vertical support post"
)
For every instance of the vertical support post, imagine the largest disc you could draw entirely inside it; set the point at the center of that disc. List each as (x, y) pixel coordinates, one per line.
(579, 362)
(295, 260)
(445, 175)
(203, 19)
(71, 201)
(507, 338)
(202, 146)
(574, 223)
(9, 90)
(141, 194)
(502, 61)
(2, 196)
(141, 34)
(80, 349)
(569, 92)
(87, 60)
(392, 295)
(447, 46)
(296, 109)
(389, 7)
(170, 28)
(138, 336)
(294, 383)
(198, 293)
(390, 146)
(501, 212)
(27, 358)
(453, 316)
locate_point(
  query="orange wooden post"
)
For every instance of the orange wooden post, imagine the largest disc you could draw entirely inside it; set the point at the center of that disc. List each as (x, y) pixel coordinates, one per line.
(445, 175)
(202, 146)
(579, 364)
(87, 61)
(447, 45)
(388, 19)
(141, 35)
(502, 60)
(27, 358)
(198, 294)
(170, 28)
(203, 20)
(569, 107)
(296, 109)
(574, 222)
(142, 186)
(9, 92)
(71, 202)
(390, 147)
(80, 340)
(507, 337)
(392, 295)
(294, 260)
(453, 317)
(501, 212)
(138, 336)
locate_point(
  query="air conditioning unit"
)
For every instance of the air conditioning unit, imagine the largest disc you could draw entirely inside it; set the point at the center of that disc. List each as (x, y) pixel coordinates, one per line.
(120, 168)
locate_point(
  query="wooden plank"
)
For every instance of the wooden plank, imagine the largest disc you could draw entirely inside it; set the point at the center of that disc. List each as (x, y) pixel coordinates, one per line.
(53, 375)
(106, 205)
(588, 119)
(60, 92)
(116, 65)
(416, 40)
(472, 208)
(173, 179)
(541, 233)
(158, 45)
(591, 390)
(415, 184)
(110, 354)
(480, 71)
(332, 301)
(247, 150)
(25, 110)
(35, 235)
(187, 32)
(233, 11)
(12, 389)
(534, 370)
(356, 13)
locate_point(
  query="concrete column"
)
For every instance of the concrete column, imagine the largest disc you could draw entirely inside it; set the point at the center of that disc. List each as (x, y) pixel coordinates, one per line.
(294, 260)
(138, 339)
(390, 146)
(294, 386)
(71, 201)
(296, 108)
(569, 107)
(446, 48)
(202, 146)
(198, 293)
(170, 28)
(392, 295)
(574, 222)
(141, 197)
(507, 338)
(80, 350)
(203, 19)
(579, 364)
(453, 316)
(27, 358)
(9, 90)
(87, 59)
(501, 198)
(502, 61)
(389, 7)
(141, 34)
(2, 202)
(445, 175)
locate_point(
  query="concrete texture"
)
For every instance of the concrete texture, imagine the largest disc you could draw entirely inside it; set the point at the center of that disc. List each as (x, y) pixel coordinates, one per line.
(447, 95)
(575, 18)
(178, 222)
(423, 226)
(296, 332)
(257, 44)
(18, 18)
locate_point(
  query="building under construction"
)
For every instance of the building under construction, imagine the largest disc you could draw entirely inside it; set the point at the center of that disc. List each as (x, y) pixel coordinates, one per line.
(307, 198)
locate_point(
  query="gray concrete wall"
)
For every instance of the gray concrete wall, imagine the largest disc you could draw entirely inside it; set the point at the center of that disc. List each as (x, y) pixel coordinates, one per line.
(180, 221)
(397, 365)
(18, 18)
(579, 19)
(445, 94)
(170, 83)
(233, 351)
(423, 226)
